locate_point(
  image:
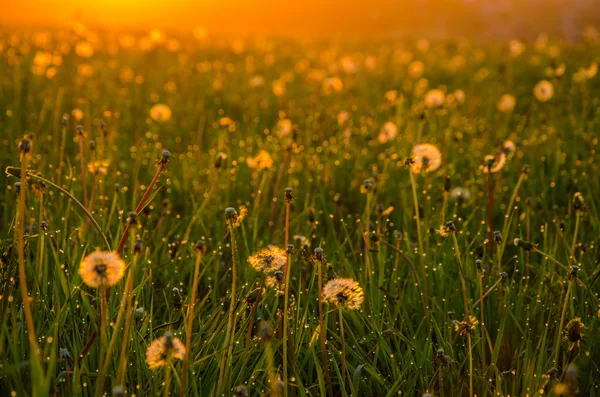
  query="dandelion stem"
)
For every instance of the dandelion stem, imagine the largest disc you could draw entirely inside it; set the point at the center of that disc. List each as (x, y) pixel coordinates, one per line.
(33, 346)
(470, 365)
(562, 322)
(322, 329)
(190, 322)
(419, 237)
(574, 242)
(286, 300)
(113, 340)
(230, 319)
(141, 204)
(82, 163)
(460, 273)
(490, 211)
(166, 390)
(341, 319)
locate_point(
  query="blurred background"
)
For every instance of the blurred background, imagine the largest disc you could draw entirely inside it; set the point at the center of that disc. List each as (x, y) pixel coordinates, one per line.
(480, 19)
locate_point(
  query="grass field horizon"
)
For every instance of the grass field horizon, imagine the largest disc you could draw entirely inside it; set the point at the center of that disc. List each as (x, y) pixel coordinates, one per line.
(200, 215)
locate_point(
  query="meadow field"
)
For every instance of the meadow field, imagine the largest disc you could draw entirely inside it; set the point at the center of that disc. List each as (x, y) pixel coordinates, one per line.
(201, 215)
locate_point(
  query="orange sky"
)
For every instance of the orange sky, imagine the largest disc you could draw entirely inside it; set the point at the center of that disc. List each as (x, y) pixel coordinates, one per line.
(338, 17)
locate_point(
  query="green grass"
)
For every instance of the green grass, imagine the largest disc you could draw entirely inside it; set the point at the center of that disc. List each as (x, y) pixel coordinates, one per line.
(392, 343)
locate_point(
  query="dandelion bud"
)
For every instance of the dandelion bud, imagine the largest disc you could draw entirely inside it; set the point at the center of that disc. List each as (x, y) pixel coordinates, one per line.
(497, 236)
(17, 187)
(478, 263)
(139, 313)
(290, 249)
(450, 226)
(574, 271)
(137, 247)
(525, 169)
(65, 119)
(132, 218)
(447, 184)
(240, 391)
(102, 124)
(117, 187)
(79, 129)
(289, 198)
(526, 245)
(278, 275)
(504, 275)
(368, 185)
(92, 145)
(528, 201)
(578, 202)
(230, 213)
(165, 157)
(118, 391)
(451, 314)
(409, 161)
(422, 116)
(397, 235)
(200, 246)
(25, 146)
(44, 225)
(176, 299)
(319, 254)
(168, 340)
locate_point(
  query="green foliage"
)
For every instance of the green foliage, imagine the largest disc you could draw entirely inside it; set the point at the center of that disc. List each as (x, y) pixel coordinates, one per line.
(221, 118)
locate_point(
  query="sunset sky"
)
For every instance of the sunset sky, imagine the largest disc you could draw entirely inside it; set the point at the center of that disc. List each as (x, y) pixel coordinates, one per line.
(375, 17)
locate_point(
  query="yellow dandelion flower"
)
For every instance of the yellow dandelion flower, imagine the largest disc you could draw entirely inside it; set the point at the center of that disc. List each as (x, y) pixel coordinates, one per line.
(234, 218)
(344, 292)
(160, 112)
(434, 98)
(98, 167)
(493, 164)
(416, 69)
(426, 158)
(163, 350)
(284, 128)
(388, 132)
(256, 81)
(543, 91)
(262, 161)
(332, 84)
(467, 327)
(77, 114)
(85, 70)
(509, 147)
(506, 103)
(84, 49)
(102, 269)
(391, 96)
(268, 260)
(343, 117)
(278, 88)
(516, 48)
